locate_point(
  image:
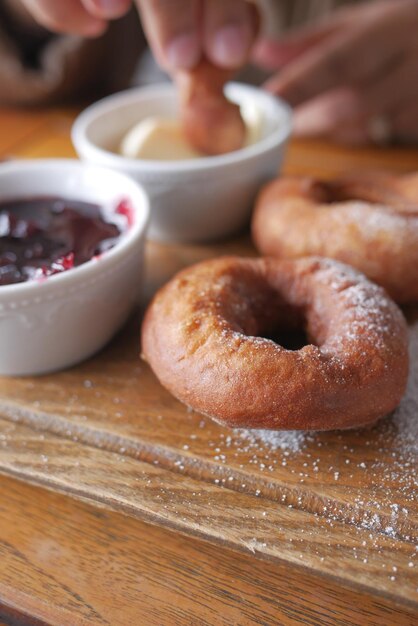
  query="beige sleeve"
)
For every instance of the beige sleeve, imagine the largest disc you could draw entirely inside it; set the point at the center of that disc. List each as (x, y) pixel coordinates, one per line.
(40, 68)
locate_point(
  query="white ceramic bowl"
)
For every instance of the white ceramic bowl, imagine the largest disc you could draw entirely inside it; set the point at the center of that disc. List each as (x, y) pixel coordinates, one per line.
(190, 200)
(52, 324)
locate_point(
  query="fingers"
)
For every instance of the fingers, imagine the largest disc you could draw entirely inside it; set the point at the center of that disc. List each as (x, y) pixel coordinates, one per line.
(173, 31)
(181, 31)
(352, 56)
(107, 9)
(342, 116)
(67, 16)
(229, 31)
(329, 65)
(346, 80)
(324, 115)
(334, 110)
(336, 115)
(273, 54)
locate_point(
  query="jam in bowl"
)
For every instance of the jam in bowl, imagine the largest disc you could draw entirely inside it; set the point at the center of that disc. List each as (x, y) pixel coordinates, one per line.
(72, 240)
(40, 237)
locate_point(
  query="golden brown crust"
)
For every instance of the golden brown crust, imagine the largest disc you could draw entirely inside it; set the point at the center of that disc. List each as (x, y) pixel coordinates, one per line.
(369, 222)
(212, 124)
(203, 337)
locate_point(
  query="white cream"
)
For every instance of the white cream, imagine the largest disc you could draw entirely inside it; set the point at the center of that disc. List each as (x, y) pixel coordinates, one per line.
(162, 139)
(157, 138)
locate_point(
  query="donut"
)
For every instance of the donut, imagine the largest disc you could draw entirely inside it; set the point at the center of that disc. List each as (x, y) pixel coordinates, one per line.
(369, 222)
(212, 124)
(206, 337)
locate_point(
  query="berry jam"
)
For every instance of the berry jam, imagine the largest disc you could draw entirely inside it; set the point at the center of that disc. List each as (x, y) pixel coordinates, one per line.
(40, 237)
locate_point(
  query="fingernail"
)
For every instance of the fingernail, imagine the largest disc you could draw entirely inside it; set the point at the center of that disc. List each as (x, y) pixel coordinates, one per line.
(111, 8)
(183, 52)
(230, 46)
(271, 55)
(94, 28)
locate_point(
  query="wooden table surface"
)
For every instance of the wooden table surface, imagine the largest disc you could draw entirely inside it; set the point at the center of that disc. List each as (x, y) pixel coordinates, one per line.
(64, 561)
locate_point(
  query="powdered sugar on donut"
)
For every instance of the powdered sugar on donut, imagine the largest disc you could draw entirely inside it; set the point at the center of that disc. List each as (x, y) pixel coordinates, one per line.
(373, 219)
(369, 222)
(353, 372)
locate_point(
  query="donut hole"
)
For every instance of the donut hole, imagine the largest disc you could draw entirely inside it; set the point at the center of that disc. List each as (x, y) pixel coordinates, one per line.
(260, 306)
(356, 190)
(330, 192)
(288, 327)
(290, 338)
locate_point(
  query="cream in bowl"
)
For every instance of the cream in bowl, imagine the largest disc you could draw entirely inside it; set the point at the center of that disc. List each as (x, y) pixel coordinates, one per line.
(163, 139)
(196, 198)
(71, 255)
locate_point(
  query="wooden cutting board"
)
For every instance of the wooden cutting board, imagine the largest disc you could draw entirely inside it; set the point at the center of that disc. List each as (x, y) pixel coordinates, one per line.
(340, 504)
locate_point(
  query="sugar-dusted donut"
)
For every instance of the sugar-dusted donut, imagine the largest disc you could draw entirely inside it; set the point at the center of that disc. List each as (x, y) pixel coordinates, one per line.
(204, 337)
(212, 123)
(368, 221)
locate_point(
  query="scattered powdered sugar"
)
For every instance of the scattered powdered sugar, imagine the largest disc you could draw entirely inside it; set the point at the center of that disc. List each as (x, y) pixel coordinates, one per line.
(372, 220)
(367, 478)
(292, 440)
(404, 420)
(406, 416)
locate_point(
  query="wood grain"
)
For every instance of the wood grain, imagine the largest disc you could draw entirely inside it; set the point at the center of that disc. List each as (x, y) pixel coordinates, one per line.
(41, 134)
(342, 507)
(109, 433)
(114, 402)
(141, 574)
(318, 158)
(19, 127)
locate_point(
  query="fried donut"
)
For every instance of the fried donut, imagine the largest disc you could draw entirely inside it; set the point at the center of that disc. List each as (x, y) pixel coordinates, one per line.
(369, 222)
(212, 124)
(206, 332)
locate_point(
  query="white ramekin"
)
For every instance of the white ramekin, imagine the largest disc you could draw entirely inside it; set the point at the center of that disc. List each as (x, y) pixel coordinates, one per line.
(190, 200)
(54, 323)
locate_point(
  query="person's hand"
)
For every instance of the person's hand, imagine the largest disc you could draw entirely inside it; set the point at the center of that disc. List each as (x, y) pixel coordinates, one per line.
(352, 77)
(88, 18)
(179, 31)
